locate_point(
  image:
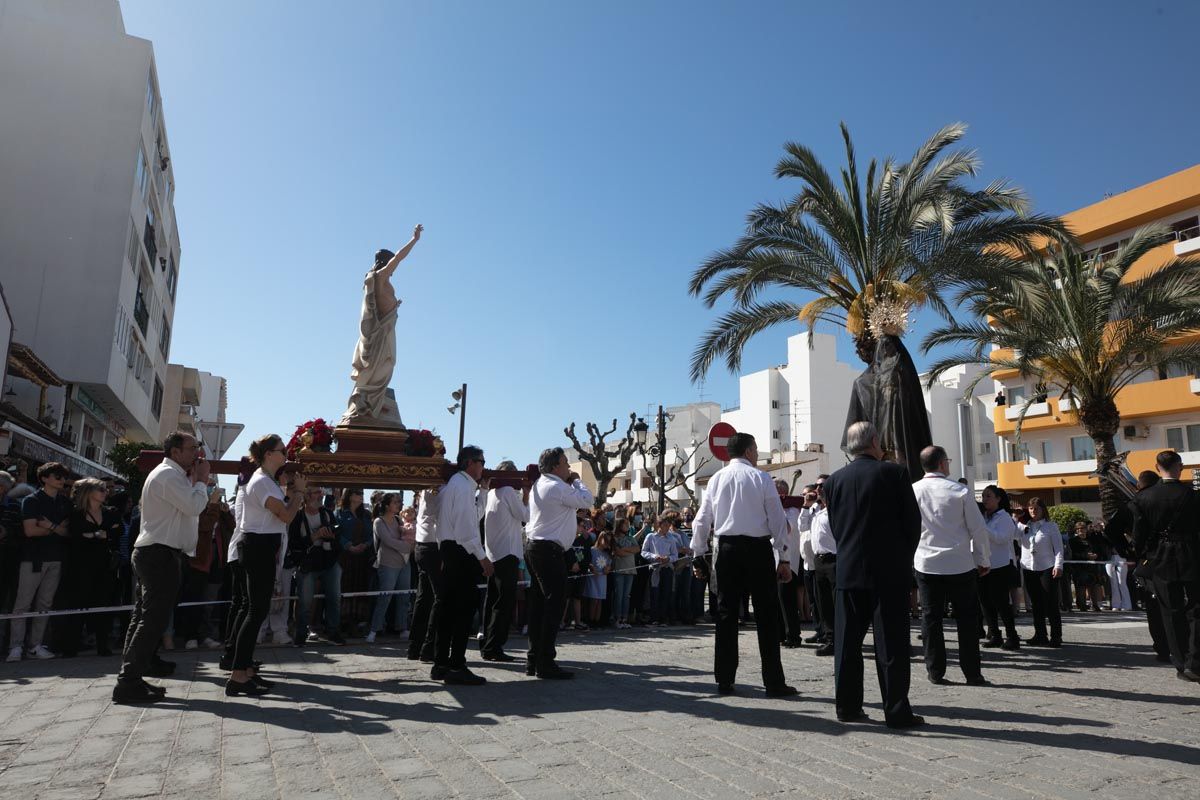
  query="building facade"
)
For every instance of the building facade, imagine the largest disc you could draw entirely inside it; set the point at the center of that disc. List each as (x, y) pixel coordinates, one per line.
(89, 247)
(196, 402)
(1053, 457)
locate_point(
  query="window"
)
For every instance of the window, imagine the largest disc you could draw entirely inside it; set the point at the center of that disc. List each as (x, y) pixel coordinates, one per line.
(134, 248)
(1188, 435)
(968, 434)
(1047, 452)
(1082, 494)
(1082, 448)
(141, 174)
(151, 96)
(164, 337)
(1186, 229)
(774, 435)
(172, 277)
(1018, 452)
(157, 398)
(774, 404)
(1016, 395)
(1174, 371)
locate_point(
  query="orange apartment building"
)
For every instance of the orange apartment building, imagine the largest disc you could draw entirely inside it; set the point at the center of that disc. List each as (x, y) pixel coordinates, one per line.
(1159, 411)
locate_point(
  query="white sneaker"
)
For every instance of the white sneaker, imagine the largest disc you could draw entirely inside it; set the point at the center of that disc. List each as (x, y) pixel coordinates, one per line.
(41, 652)
(190, 644)
(211, 644)
(14, 655)
(371, 637)
(479, 636)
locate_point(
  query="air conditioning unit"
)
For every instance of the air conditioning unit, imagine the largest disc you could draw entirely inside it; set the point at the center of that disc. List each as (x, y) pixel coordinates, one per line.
(1134, 432)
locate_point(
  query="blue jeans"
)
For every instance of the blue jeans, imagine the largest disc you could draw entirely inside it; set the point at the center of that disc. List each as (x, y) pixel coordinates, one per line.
(331, 587)
(391, 579)
(622, 587)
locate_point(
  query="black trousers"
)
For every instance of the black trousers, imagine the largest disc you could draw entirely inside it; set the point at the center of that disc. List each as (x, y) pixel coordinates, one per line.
(237, 605)
(824, 585)
(545, 600)
(423, 634)
(640, 589)
(789, 603)
(810, 591)
(259, 551)
(87, 583)
(745, 566)
(457, 601)
(158, 571)
(1179, 602)
(994, 595)
(962, 590)
(1154, 619)
(887, 613)
(1043, 590)
(501, 596)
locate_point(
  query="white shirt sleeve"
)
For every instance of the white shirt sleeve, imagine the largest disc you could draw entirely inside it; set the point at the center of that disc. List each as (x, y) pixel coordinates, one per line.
(574, 495)
(519, 511)
(981, 548)
(1056, 543)
(776, 519)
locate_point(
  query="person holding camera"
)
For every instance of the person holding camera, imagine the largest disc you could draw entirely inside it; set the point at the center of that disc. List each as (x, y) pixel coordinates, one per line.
(313, 553)
(266, 514)
(174, 495)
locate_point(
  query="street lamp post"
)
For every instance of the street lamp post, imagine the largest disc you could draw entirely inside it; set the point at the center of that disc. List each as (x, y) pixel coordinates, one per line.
(460, 407)
(658, 450)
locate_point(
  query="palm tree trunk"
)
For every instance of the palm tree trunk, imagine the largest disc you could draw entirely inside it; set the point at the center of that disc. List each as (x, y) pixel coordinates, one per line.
(1100, 421)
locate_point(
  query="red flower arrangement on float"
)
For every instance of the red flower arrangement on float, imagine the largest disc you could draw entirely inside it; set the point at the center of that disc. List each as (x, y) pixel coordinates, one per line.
(422, 444)
(314, 435)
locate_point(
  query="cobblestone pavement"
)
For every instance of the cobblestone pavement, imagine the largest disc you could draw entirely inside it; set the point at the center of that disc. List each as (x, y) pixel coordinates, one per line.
(1098, 718)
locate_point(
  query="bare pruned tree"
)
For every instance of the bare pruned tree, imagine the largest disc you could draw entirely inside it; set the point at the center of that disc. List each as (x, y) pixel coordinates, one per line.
(678, 474)
(606, 461)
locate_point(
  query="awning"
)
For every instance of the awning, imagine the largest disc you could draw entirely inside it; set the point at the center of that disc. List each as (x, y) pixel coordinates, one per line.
(24, 364)
(29, 446)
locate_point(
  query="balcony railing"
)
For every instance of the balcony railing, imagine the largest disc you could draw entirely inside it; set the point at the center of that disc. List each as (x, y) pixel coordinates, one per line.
(151, 243)
(1187, 234)
(141, 314)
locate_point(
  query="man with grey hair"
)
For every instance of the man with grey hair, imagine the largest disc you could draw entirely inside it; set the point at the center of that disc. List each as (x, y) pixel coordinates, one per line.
(553, 501)
(875, 522)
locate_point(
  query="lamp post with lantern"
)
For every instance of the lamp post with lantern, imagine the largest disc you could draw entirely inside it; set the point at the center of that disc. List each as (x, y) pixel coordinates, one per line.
(658, 450)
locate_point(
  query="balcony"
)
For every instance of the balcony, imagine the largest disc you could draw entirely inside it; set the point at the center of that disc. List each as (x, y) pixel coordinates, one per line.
(1187, 241)
(1024, 476)
(1138, 401)
(1013, 413)
(141, 314)
(151, 243)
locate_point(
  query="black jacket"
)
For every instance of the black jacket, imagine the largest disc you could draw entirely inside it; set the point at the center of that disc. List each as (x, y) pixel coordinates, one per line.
(1166, 530)
(302, 553)
(876, 523)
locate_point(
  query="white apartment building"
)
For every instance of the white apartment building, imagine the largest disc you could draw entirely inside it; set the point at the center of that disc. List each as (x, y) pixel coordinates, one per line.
(195, 402)
(686, 433)
(798, 407)
(89, 248)
(964, 426)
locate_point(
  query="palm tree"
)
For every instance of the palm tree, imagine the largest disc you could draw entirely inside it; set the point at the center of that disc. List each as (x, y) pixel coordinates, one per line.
(901, 238)
(1082, 325)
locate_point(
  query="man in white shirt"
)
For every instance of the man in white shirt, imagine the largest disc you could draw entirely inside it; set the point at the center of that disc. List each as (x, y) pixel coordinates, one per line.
(824, 557)
(503, 522)
(952, 553)
(742, 509)
(173, 496)
(423, 634)
(461, 504)
(553, 502)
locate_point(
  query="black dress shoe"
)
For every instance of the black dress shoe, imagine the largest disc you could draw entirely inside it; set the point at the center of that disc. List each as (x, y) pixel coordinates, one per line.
(530, 669)
(414, 656)
(937, 680)
(724, 688)
(859, 716)
(824, 650)
(909, 722)
(503, 658)
(1188, 675)
(226, 663)
(160, 668)
(248, 688)
(816, 637)
(555, 674)
(463, 677)
(263, 682)
(978, 680)
(1163, 658)
(1054, 643)
(424, 659)
(1037, 641)
(134, 694)
(790, 643)
(438, 673)
(782, 690)
(992, 641)
(1012, 644)
(158, 690)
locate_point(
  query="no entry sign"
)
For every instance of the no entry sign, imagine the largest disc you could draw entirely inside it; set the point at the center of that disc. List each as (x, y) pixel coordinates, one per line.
(718, 439)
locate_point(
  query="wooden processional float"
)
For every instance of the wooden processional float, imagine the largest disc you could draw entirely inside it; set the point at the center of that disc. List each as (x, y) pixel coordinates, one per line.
(373, 458)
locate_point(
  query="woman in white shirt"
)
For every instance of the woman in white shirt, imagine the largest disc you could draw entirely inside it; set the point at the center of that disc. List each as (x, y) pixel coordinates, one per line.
(233, 563)
(1041, 567)
(995, 586)
(266, 514)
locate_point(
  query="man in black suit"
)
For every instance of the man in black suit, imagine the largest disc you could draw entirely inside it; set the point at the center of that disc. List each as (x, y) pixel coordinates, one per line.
(876, 523)
(1166, 531)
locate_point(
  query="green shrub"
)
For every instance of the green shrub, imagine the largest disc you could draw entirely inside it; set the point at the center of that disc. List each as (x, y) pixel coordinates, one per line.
(1065, 517)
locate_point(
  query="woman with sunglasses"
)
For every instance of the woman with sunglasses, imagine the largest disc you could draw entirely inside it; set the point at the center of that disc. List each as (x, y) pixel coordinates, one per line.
(90, 567)
(266, 514)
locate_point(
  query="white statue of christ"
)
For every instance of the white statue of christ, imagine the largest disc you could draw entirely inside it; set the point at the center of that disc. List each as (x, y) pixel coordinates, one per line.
(372, 403)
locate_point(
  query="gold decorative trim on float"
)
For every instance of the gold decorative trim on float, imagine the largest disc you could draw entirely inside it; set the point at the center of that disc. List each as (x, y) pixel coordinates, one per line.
(373, 458)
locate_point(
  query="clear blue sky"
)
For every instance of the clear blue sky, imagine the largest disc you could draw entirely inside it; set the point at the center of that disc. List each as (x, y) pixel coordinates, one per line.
(573, 162)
